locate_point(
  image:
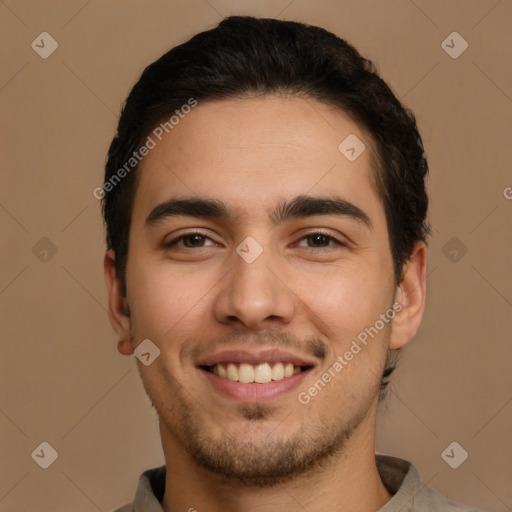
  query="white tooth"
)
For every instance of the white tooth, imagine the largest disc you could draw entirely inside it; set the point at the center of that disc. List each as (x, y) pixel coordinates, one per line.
(232, 372)
(221, 371)
(278, 371)
(296, 370)
(215, 370)
(288, 370)
(263, 373)
(246, 373)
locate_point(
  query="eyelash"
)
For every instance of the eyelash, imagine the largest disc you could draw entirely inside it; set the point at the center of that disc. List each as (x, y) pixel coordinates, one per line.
(328, 236)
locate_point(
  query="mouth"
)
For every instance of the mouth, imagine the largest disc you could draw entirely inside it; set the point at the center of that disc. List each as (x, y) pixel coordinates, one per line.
(254, 377)
(261, 373)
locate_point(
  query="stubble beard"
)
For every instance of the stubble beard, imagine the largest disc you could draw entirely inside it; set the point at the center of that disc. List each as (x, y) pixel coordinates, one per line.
(270, 462)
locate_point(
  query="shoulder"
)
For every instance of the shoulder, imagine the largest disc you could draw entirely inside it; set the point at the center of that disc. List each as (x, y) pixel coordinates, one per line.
(430, 499)
(149, 492)
(410, 493)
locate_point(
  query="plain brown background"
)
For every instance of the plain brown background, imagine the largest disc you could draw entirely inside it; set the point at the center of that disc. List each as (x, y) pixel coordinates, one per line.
(62, 379)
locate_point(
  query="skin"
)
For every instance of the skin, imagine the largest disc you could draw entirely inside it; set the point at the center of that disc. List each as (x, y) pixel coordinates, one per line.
(252, 154)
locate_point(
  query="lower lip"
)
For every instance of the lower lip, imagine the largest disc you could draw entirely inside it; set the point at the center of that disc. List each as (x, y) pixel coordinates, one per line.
(254, 392)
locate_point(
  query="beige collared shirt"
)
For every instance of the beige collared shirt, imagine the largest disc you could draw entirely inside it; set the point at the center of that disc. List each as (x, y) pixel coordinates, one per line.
(400, 477)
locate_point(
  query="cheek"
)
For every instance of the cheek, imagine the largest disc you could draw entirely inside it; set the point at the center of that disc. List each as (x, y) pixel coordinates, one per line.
(344, 301)
(167, 301)
(347, 306)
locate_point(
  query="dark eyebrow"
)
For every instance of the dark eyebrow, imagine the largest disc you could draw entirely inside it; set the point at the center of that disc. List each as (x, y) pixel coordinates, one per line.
(300, 206)
(206, 208)
(307, 206)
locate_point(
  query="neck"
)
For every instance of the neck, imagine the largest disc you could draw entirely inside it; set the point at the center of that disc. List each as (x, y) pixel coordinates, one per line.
(349, 482)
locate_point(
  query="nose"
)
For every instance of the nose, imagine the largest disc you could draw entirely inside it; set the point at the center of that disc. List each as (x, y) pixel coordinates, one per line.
(255, 295)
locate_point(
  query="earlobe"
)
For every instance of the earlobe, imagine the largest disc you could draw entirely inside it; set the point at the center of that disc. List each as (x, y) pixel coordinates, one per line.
(411, 295)
(118, 309)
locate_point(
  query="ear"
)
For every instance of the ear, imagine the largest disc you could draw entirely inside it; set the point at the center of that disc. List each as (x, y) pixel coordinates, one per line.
(411, 295)
(117, 305)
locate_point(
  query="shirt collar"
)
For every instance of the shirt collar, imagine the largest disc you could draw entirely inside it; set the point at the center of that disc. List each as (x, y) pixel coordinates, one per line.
(399, 476)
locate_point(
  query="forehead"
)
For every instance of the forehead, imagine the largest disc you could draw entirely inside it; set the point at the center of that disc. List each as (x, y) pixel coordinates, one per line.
(252, 152)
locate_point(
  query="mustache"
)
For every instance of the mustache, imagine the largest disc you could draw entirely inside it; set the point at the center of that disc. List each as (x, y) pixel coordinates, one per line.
(277, 340)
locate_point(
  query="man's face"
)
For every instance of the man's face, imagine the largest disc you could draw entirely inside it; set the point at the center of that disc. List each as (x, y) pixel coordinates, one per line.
(320, 280)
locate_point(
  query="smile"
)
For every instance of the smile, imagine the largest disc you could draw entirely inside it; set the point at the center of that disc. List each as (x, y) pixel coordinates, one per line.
(254, 376)
(261, 373)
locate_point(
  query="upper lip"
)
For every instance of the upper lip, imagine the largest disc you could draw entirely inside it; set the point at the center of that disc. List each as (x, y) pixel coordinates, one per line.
(254, 357)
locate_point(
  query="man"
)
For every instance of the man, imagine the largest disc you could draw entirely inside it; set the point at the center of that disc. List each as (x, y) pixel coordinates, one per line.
(265, 207)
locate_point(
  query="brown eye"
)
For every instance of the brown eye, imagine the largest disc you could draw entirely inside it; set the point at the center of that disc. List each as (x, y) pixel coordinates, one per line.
(190, 241)
(194, 240)
(318, 240)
